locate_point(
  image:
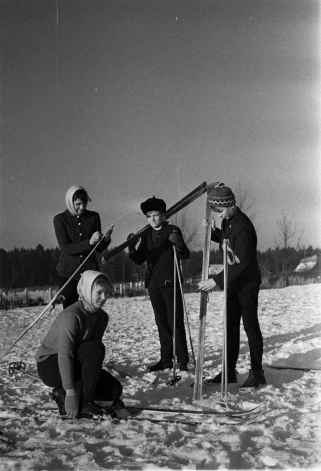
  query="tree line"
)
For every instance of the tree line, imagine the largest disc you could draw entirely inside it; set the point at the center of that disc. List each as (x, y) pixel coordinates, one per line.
(24, 268)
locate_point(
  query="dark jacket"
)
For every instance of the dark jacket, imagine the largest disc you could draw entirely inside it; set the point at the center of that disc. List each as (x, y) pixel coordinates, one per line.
(246, 275)
(73, 234)
(159, 256)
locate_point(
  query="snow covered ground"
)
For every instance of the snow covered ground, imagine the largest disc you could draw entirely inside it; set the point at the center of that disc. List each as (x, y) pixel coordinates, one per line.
(286, 436)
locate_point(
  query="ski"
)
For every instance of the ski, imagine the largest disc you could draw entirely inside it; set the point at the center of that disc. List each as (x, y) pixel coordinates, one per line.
(140, 409)
(198, 383)
(276, 367)
(185, 201)
(111, 366)
(134, 413)
(220, 419)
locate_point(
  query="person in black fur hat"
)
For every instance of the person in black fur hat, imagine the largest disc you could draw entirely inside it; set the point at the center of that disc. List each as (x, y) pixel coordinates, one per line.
(244, 279)
(156, 249)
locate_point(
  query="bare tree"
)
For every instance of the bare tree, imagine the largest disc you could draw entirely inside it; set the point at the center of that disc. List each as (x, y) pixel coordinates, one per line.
(189, 229)
(244, 201)
(287, 233)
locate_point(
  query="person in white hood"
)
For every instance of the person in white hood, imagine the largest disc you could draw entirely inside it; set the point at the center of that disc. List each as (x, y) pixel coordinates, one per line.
(71, 356)
(78, 230)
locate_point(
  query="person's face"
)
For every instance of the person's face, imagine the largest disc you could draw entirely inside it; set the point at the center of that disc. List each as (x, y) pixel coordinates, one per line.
(155, 218)
(79, 206)
(99, 295)
(224, 213)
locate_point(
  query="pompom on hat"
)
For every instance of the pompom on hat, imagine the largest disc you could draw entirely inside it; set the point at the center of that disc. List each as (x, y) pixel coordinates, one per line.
(220, 196)
(153, 204)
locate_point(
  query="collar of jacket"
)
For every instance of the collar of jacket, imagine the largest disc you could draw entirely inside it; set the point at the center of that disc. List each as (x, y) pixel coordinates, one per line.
(69, 215)
(230, 223)
(161, 233)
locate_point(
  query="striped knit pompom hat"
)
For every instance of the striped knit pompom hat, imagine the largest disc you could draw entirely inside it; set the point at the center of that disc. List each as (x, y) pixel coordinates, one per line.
(220, 196)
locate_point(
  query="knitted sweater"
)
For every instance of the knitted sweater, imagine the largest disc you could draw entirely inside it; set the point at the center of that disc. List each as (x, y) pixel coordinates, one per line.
(73, 326)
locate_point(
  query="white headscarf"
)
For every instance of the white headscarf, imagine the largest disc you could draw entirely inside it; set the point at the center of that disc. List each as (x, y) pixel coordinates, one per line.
(69, 197)
(85, 287)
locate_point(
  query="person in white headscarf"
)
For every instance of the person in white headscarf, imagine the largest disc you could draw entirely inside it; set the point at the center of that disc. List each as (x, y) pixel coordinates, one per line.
(77, 230)
(71, 356)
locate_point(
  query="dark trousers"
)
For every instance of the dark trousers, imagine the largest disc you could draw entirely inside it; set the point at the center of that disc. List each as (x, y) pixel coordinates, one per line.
(243, 305)
(69, 293)
(162, 300)
(96, 384)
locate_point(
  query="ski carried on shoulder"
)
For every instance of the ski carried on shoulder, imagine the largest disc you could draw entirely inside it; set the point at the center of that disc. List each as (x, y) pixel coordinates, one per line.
(185, 201)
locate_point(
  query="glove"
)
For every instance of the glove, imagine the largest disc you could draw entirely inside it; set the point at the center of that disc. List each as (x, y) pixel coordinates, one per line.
(176, 240)
(72, 406)
(108, 233)
(132, 246)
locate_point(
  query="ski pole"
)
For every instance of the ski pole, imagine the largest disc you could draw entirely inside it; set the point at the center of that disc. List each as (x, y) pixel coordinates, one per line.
(20, 366)
(224, 342)
(59, 291)
(174, 322)
(184, 304)
(176, 378)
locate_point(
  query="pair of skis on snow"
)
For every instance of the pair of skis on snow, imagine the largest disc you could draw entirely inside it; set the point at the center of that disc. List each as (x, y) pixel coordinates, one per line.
(189, 417)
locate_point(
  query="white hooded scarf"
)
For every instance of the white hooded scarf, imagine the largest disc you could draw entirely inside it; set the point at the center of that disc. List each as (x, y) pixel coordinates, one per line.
(69, 197)
(85, 287)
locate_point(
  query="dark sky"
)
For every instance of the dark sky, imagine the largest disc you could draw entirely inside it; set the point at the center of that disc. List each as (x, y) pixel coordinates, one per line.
(138, 98)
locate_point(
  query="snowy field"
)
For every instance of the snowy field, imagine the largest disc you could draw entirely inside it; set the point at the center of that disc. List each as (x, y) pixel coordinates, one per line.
(286, 436)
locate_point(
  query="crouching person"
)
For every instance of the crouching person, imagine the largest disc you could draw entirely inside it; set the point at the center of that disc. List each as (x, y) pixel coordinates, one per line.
(71, 355)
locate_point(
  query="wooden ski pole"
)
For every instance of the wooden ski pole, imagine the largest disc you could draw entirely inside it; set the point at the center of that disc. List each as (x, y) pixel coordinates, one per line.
(174, 323)
(184, 303)
(224, 375)
(198, 383)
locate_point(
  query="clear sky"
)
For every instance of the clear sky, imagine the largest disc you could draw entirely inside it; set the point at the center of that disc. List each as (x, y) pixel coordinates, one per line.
(134, 98)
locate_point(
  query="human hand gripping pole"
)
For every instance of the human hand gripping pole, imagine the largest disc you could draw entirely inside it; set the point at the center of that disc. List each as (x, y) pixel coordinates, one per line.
(176, 240)
(132, 245)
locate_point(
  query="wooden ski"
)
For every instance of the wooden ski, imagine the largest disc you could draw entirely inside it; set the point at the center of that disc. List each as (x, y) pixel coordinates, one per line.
(203, 306)
(185, 201)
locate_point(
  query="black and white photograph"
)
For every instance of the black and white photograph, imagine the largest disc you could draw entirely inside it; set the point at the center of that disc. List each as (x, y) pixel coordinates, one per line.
(160, 235)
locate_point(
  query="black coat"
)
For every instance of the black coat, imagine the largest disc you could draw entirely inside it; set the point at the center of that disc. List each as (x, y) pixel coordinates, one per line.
(246, 275)
(159, 256)
(73, 235)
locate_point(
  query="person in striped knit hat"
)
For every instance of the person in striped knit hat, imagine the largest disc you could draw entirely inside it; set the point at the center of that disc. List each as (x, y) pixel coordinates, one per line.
(244, 279)
(77, 230)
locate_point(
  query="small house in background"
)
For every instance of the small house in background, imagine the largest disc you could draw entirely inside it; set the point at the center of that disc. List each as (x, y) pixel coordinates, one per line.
(309, 265)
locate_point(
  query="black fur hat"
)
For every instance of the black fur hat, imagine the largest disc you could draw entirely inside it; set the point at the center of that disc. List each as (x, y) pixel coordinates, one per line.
(153, 204)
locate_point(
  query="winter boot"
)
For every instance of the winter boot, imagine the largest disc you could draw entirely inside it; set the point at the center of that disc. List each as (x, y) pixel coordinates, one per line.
(160, 365)
(254, 379)
(231, 377)
(58, 395)
(118, 404)
(91, 410)
(182, 367)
